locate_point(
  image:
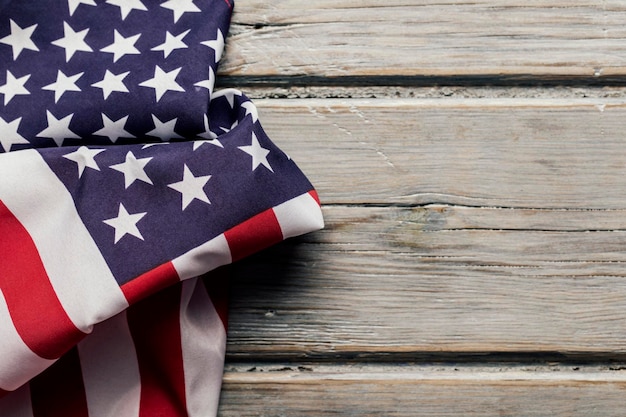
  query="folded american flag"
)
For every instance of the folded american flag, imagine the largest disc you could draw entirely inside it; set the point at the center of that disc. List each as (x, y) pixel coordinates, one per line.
(124, 178)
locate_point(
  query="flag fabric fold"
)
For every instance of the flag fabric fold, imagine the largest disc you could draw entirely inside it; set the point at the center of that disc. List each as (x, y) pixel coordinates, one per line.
(126, 182)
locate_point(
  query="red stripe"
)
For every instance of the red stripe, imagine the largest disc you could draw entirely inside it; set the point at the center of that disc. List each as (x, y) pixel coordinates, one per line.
(59, 391)
(264, 230)
(154, 324)
(35, 308)
(149, 283)
(316, 197)
(216, 283)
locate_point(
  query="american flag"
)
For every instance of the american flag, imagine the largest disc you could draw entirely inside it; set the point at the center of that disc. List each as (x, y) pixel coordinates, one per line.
(124, 180)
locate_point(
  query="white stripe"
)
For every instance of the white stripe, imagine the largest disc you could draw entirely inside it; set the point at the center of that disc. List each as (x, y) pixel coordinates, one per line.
(78, 273)
(299, 215)
(203, 258)
(18, 363)
(110, 370)
(17, 403)
(203, 340)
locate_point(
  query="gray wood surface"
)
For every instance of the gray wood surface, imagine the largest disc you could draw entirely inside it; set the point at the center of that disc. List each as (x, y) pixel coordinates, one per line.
(403, 281)
(427, 38)
(473, 262)
(438, 391)
(536, 153)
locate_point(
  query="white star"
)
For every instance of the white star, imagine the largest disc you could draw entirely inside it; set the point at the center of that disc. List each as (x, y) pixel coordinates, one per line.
(163, 82)
(127, 6)
(72, 41)
(217, 45)
(258, 154)
(125, 224)
(84, 158)
(14, 87)
(150, 145)
(113, 129)
(208, 84)
(251, 109)
(172, 42)
(19, 39)
(73, 4)
(164, 131)
(122, 46)
(133, 169)
(228, 129)
(208, 134)
(63, 84)
(191, 187)
(9, 135)
(111, 83)
(58, 129)
(230, 94)
(180, 7)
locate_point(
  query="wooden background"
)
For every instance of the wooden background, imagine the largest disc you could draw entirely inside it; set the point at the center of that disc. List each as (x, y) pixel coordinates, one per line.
(470, 156)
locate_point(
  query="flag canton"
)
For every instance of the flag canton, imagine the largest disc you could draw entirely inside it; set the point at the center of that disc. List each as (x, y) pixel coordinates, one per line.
(147, 204)
(78, 72)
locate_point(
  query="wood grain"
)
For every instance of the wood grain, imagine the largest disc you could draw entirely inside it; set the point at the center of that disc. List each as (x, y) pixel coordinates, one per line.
(397, 282)
(523, 153)
(402, 391)
(376, 38)
(469, 241)
(483, 225)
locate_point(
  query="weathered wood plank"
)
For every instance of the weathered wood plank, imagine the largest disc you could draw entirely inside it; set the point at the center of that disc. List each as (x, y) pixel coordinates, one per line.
(535, 153)
(428, 38)
(403, 282)
(454, 227)
(443, 391)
